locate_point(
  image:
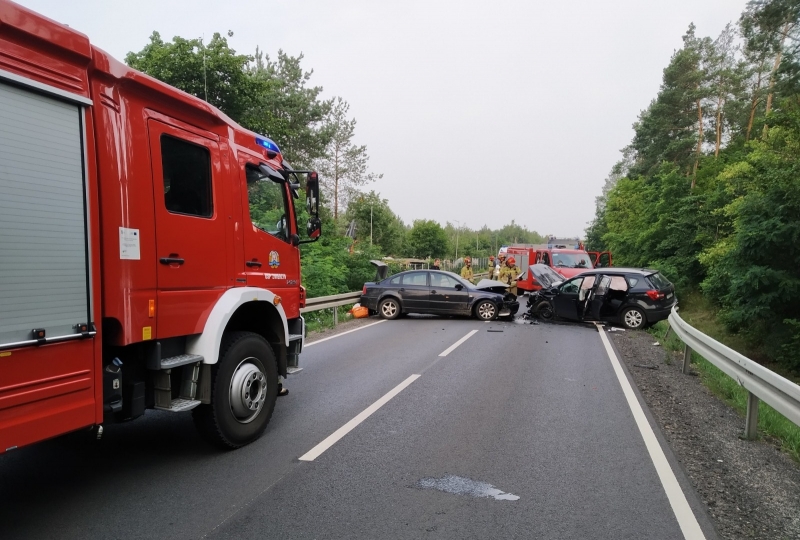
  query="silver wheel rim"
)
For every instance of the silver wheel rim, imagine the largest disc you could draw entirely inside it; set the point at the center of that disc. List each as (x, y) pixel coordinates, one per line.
(389, 309)
(633, 318)
(486, 310)
(248, 390)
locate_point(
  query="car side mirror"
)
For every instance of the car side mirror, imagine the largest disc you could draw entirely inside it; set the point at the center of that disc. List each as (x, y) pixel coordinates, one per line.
(459, 287)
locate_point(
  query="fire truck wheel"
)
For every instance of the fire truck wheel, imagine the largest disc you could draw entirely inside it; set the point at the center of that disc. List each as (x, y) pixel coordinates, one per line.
(486, 310)
(244, 387)
(389, 308)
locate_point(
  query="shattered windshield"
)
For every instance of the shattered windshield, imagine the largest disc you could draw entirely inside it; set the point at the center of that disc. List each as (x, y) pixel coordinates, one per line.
(572, 260)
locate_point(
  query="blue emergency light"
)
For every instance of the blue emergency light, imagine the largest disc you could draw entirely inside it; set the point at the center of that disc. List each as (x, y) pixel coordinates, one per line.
(268, 144)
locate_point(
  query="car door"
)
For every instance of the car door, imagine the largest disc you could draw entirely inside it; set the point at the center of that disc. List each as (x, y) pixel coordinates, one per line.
(448, 295)
(598, 297)
(415, 292)
(565, 303)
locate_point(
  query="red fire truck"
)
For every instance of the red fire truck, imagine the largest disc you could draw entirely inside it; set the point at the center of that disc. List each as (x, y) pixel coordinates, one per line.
(148, 248)
(567, 259)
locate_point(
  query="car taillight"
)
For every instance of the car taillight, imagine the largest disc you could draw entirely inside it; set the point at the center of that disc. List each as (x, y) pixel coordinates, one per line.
(655, 295)
(364, 290)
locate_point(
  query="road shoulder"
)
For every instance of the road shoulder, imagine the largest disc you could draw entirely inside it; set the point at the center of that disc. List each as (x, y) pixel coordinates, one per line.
(748, 487)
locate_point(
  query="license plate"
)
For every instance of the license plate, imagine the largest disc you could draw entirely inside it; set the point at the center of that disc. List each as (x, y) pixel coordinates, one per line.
(669, 296)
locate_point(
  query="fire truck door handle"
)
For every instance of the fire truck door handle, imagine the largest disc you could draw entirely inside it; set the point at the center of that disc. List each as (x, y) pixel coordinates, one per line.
(253, 263)
(171, 260)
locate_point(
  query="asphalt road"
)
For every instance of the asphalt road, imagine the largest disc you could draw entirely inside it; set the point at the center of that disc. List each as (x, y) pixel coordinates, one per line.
(519, 432)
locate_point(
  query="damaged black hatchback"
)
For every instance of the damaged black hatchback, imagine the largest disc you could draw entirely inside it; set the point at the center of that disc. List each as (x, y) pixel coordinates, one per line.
(437, 292)
(633, 297)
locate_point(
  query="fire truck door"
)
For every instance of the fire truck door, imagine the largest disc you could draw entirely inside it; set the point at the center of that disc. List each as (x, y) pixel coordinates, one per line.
(270, 260)
(190, 230)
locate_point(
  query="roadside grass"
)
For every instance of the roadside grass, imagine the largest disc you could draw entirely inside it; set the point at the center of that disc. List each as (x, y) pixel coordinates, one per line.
(701, 315)
(322, 319)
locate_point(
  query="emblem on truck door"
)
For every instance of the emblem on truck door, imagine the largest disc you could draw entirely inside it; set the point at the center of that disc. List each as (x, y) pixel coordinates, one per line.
(274, 259)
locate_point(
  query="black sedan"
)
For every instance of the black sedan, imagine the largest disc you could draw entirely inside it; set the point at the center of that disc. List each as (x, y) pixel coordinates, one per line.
(438, 292)
(634, 297)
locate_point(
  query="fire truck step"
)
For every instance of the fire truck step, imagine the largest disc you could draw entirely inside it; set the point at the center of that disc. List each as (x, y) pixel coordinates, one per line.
(295, 337)
(180, 405)
(180, 360)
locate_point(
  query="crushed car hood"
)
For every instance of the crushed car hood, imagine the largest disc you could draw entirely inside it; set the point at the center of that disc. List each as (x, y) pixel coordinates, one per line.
(491, 285)
(546, 276)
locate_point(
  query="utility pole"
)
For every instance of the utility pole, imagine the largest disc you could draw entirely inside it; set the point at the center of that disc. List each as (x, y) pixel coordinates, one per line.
(457, 229)
(370, 223)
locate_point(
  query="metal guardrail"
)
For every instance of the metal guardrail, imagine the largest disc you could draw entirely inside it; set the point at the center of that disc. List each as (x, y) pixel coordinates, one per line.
(333, 301)
(778, 392)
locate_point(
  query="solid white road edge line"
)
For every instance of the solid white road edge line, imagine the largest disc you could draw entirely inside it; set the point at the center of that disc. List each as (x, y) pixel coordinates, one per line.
(334, 437)
(677, 499)
(452, 347)
(342, 334)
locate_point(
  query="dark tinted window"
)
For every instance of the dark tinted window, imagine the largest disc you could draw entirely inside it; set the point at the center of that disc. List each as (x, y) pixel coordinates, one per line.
(659, 281)
(187, 177)
(415, 278)
(632, 281)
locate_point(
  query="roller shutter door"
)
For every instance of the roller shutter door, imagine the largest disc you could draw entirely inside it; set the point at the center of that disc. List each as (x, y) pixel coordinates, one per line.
(43, 250)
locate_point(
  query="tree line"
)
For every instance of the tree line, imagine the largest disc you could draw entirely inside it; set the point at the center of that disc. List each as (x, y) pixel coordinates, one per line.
(708, 190)
(275, 97)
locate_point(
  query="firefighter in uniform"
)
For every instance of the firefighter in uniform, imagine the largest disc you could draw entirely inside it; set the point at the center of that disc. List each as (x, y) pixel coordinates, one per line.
(466, 270)
(501, 263)
(490, 270)
(509, 274)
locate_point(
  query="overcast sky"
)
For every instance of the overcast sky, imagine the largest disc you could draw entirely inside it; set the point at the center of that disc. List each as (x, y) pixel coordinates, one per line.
(475, 112)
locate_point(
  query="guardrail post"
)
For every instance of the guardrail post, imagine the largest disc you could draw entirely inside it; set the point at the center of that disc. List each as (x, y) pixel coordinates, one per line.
(687, 359)
(751, 421)
(335, 316)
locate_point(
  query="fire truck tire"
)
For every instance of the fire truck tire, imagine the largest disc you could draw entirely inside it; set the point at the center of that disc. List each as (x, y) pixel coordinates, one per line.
(244, 387)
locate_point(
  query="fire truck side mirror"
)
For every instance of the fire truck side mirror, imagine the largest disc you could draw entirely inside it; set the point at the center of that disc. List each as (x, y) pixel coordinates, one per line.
(312, 194)
(314, 227)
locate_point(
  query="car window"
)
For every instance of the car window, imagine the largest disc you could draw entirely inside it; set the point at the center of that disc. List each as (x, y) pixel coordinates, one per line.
(618, 284)
(572, 286)
(632, 281)
(415, 278)
(659, 281)
(443, 281)
(395, 280)
(602, 287)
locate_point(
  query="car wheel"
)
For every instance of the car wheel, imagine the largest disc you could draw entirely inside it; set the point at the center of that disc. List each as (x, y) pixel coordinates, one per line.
(633, 318)
(244, 387)
(543, 310)
(389, 308)
(486, 310)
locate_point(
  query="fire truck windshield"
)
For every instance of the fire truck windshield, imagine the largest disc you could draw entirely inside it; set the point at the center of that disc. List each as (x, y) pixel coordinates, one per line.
(571, 260)
(269, 206)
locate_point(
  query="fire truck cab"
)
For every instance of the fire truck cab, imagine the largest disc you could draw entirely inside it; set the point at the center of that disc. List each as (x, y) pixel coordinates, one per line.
(149, 247)
(566, 259)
